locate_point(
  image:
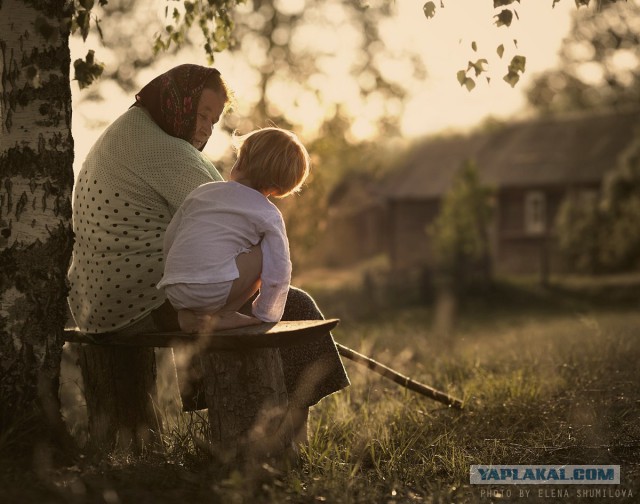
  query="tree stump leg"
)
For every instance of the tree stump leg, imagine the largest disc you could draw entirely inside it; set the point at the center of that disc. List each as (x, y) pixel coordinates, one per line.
(120, 391)
(248, 407)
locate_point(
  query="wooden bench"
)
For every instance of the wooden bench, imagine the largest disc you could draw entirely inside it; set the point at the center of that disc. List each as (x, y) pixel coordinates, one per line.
(244, 386)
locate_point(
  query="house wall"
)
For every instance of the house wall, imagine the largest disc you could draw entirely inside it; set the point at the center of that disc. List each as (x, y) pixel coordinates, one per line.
(408, 241)
(518, 250)
(514, 249)
(353, 236)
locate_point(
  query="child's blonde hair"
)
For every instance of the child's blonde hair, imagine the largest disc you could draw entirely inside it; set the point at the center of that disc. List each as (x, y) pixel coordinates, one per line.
(273, 159)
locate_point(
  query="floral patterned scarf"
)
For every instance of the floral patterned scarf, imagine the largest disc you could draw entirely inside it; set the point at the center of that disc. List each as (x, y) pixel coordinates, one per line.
(172, 98)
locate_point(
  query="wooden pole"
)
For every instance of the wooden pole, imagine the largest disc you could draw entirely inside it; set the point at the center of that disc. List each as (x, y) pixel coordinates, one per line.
(398, 378)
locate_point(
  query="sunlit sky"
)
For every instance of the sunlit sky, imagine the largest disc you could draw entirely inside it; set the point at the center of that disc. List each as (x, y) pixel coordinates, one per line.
(434, 103)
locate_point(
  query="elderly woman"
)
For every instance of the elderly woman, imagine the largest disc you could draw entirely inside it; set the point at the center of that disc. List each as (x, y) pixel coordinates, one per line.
(133, 180)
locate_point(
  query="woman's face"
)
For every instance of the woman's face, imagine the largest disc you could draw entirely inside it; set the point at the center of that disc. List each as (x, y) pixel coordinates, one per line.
(210, 108)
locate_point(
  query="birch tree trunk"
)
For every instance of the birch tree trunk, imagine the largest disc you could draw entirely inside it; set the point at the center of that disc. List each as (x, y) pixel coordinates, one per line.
(36, 179)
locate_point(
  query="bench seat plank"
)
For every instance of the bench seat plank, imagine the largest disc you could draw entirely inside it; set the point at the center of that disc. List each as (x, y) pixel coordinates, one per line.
(267, 335)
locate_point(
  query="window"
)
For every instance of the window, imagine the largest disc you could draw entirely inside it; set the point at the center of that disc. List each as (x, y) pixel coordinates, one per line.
(535, 213)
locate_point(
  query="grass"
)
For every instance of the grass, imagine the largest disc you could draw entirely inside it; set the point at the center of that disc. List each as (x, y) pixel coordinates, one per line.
(559, 392)
(548, 376)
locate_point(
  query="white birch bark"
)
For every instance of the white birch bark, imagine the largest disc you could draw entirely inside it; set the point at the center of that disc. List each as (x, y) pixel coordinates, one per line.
(36, 178)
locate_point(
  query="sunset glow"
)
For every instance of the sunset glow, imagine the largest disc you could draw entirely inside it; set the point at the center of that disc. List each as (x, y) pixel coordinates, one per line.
(435, 101)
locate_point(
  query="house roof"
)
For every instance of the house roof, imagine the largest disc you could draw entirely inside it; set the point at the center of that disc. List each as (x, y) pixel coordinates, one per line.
(579, 148)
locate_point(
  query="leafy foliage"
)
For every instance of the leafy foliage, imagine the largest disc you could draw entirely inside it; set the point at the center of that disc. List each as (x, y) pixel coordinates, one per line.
(465, 81)
(599, 62)
(87, 70)
(336, 164)
(478, 67)
(516, 67)
(604, 235)
(429, 9)
(213, 18)
(216, 22)
(577, 225)
(265, 30)
(504, 17)
(460, 232)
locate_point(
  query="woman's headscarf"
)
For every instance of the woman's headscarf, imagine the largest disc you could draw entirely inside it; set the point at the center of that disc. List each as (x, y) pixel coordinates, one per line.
(172, 98)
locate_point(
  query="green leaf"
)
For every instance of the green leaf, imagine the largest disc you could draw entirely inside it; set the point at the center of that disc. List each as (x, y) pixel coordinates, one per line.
(516, 67)
(87, 4)
(518, 63)
(582, 3)
(504, 18)
(469, 83)
(500, 50)
(83, 19)
(478, 66)
(87, 70)
(429, 9)
(511, 78)
(502, 3)
(465, 81)
(474, 46)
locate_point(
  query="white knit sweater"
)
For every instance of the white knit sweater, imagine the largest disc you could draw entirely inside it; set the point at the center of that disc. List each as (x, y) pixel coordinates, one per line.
(132, 182)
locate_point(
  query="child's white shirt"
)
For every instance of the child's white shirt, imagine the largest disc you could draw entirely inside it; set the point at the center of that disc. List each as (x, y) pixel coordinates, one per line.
(217, 222)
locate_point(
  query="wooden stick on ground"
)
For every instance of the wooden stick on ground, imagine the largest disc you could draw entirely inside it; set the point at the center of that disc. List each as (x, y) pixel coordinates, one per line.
(398, 378)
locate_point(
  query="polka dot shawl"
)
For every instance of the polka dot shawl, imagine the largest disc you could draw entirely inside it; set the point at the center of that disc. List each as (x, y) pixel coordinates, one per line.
(132, 182)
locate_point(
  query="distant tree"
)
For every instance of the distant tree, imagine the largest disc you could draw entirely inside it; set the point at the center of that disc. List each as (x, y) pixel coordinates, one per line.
(579, 225)
(599, 62)
(603, 235)
(336, 163)
(460, 233)
(296, 46)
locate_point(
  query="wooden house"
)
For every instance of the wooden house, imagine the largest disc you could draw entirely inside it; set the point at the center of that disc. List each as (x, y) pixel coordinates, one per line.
(531, 165)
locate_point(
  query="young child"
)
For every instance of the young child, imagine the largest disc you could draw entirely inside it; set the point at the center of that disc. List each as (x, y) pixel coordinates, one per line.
(227, 240)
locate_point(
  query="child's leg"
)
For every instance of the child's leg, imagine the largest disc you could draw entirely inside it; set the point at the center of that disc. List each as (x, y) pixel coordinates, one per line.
(243, 288)
(246, 285)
